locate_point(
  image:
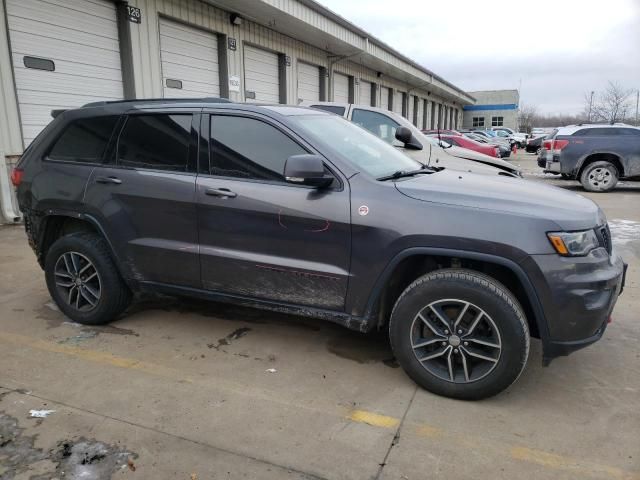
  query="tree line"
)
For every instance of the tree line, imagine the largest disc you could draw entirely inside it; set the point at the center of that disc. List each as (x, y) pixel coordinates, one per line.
(612, 105)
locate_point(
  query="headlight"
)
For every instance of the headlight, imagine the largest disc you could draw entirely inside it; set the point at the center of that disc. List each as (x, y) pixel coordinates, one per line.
(573, 244)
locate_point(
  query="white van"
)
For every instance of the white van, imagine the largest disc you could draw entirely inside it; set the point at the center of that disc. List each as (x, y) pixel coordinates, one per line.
(423, 148)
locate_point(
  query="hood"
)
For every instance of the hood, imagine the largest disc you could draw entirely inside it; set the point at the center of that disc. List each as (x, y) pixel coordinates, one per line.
(568, 210)
(478, 157)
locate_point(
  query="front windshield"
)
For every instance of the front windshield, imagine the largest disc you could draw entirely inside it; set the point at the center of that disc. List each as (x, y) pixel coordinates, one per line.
(359, 147)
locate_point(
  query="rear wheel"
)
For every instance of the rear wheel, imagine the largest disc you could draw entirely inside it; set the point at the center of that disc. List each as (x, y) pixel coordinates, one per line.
(599, 177)
(83, 280)
(460, 334)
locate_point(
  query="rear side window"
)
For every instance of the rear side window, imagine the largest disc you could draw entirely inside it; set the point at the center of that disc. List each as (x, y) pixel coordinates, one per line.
(632, 132)
(157, 142)
(244, 147)
(330, 108)
(84, 140)
(597, 132)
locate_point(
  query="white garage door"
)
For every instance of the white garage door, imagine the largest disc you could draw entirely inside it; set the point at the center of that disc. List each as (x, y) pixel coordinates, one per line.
(364, 98)
(308, 82)
(340, 88)
(64, 54)
(384, 98)
(397, 102)
(261, 77)
(189, 61)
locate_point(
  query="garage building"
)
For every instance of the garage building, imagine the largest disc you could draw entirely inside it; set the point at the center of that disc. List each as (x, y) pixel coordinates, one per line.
(58, 54)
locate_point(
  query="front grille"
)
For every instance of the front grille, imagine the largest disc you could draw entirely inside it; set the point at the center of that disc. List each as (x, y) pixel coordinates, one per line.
(605, 237)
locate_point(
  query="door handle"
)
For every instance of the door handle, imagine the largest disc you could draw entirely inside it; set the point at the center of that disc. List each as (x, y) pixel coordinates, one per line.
(114, 180)
(220, 192)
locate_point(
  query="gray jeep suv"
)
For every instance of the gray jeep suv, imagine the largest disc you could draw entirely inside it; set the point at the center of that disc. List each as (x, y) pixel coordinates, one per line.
(299, 210)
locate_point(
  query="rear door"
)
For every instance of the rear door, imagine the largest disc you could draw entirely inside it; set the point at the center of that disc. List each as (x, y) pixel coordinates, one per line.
(145, 197)
(261, 237)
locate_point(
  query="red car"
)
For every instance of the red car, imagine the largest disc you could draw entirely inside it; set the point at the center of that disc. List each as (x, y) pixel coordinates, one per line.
(464, 142)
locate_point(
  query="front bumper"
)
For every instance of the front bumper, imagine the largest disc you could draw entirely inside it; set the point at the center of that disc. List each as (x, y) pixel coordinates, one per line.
(578, 295)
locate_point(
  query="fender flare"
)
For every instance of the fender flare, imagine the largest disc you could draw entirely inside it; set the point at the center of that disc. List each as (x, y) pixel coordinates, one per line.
(579, 165)
(530, 291)
(101, 231)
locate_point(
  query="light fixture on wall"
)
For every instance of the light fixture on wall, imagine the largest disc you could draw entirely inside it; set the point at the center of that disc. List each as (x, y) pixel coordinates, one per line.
(235, 19)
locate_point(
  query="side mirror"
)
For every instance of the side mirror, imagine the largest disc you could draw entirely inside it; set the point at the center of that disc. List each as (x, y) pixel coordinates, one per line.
(306, 170)
(404, 135)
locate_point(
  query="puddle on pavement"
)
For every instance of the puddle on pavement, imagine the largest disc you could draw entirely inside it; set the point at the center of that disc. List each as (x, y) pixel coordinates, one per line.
(235, 335)
(51, 314)
(361, 348)
(71, 459)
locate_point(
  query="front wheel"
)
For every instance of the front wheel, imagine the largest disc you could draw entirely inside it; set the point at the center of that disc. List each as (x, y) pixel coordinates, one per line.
(599, 177)
(460, 334)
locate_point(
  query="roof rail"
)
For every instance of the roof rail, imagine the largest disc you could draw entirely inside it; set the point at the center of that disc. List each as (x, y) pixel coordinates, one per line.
(159, 100)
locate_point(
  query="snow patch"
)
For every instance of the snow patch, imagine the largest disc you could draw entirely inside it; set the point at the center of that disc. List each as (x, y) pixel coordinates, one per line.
(624, 231)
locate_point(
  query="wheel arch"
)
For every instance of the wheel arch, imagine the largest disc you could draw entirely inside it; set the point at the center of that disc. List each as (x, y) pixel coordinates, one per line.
(57, 223)
(412, 263)
(606, 156)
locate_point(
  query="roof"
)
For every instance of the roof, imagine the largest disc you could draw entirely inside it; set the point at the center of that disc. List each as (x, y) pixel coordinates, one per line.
(119, 107)
(310, 22)
(570, 129)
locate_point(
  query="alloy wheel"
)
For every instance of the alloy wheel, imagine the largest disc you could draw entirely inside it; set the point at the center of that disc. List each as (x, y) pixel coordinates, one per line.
(455, 341)
(78, 281)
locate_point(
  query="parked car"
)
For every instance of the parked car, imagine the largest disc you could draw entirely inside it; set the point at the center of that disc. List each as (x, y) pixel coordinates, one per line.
(384, 123)
(534, 144)
(596, 155)
(301, 211)
(465, 142)
(441, 132)
(504, 150)
(517, 139)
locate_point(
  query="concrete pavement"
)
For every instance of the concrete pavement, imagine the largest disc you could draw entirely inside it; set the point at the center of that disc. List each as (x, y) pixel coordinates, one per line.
(191, 390)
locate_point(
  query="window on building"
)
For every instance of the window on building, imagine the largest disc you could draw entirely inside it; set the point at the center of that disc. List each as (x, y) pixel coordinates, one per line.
(380, 125)
(157, 142)
(478, 121)
(497, 121)
(247, 148)
(84, 140)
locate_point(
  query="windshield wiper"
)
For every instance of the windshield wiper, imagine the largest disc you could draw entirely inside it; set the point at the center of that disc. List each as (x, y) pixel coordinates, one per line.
(405, 173)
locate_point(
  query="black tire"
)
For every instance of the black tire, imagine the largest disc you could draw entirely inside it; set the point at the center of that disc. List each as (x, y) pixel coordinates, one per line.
(482, 293)
(599, 176)
(114, 296)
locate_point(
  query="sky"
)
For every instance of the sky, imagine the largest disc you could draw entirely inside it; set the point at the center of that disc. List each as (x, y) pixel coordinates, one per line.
(553, 51)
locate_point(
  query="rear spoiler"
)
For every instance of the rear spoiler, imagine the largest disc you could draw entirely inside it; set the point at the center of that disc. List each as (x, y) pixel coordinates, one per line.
(55, 113)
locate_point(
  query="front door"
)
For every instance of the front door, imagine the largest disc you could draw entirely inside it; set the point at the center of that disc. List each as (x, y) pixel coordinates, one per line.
(145, 199)
(261, 237)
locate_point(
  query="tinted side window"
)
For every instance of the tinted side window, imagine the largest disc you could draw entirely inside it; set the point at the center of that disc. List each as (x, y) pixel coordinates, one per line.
(633, 132)
(155, 142)
(330, 108)
(380, 125)
(596, 132)
(244, 147)
(84, 140)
